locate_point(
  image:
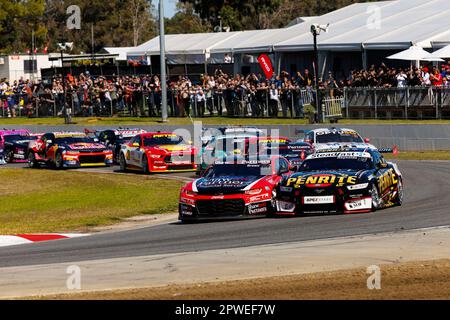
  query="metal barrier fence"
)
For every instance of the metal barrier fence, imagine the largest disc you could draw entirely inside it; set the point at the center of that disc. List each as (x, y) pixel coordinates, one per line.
(370, 103)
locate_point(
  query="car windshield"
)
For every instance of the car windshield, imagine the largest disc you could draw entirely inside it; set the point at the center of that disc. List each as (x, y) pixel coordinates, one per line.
(239, 170)
(162, 139)
(339, 137)
(332, 163)
(72, 140)
(18, 137)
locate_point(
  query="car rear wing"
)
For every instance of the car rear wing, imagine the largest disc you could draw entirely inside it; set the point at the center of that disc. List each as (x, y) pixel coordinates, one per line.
(393, 150)
(91, 133)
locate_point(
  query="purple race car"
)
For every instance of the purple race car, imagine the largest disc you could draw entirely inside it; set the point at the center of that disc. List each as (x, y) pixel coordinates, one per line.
(14, 145)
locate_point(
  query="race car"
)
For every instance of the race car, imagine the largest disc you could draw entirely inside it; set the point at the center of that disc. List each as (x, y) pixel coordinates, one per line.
(240, 188)
(334, 138)
(350, 181)
(222, 146)
(158, 152)
(294, 152)
(208, 134)
(13, 145)
(68, 150)
(114, 138)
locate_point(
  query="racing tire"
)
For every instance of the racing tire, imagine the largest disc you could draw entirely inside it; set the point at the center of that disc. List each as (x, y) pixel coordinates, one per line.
(145, 169)
(9, 156)
(376, 201)
(59, 162)
(400, 193)
(32, 162)
(122, 163)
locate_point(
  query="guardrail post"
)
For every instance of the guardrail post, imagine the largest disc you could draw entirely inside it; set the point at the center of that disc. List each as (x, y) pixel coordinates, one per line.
(375, 102)
(346, 102)
(407, 103)
(37, 107)
(437, 102)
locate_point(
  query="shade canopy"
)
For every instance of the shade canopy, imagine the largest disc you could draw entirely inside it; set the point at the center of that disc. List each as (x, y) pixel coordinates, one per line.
(442, 53)
(414, 53)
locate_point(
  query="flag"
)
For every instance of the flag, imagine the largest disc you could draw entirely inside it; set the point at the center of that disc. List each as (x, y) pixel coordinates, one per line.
(45, 50)
(266, 65)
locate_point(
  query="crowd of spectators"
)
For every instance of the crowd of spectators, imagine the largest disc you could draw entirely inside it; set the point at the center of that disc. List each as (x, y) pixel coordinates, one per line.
(214, 94)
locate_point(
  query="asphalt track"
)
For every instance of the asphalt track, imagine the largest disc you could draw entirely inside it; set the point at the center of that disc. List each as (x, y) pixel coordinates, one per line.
(427, 204)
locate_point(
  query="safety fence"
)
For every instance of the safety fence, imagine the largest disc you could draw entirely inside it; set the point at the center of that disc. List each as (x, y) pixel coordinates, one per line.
(357, 103)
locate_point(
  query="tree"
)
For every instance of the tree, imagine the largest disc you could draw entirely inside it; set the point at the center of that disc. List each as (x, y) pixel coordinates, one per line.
(18, 18)
(262, 14)
(185, 21)
(116, 23)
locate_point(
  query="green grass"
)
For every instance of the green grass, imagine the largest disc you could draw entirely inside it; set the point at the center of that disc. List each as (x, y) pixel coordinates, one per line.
(420, 155)
(117, 121)
(58, 201)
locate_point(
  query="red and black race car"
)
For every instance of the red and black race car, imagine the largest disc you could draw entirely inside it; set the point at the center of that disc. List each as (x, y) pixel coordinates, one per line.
(68, 150)
(238, 188)
(158, 152)
(14, 144)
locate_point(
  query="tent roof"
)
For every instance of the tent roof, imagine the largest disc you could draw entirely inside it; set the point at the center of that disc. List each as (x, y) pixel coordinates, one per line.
(401, 23)
(191, 43)
(121, 51)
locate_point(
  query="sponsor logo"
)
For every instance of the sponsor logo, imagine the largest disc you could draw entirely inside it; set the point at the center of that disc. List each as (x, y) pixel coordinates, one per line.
(359, 204)
(223, 182)
(388, 179)
(81, 146)
(321, 179)
(260, 197)
(318, 200)
(257, 208)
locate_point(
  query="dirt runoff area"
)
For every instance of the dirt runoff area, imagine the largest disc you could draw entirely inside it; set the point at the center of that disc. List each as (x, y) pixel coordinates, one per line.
(412, 280)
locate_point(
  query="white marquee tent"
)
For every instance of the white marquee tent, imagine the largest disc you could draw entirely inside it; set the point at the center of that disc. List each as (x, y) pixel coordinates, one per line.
(385, 25)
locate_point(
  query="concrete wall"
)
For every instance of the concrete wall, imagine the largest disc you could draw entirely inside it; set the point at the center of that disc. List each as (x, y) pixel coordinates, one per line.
(406, 137)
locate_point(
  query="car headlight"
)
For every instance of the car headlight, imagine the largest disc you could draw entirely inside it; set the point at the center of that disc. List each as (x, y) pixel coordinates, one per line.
(71, 153)
(358, 186)
(253, 191)
(155, 156)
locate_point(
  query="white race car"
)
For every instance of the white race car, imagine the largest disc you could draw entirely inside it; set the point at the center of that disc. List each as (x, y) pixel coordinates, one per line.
(336, 138)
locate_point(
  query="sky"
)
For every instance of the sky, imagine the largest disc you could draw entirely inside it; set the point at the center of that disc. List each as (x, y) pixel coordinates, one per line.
(169, 7)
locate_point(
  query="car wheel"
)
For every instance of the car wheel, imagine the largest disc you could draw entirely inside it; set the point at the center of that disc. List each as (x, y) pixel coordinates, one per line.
(145, 169)
(32, 162)
(59, 162)
(400, 193)
(122, 163)
(9, 156)
(376, 202)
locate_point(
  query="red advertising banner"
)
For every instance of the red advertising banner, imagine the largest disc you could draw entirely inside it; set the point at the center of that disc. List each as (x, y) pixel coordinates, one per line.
(266, 65)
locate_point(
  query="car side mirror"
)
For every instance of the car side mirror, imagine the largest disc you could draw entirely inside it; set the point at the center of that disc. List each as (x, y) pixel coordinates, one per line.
(366, 140)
